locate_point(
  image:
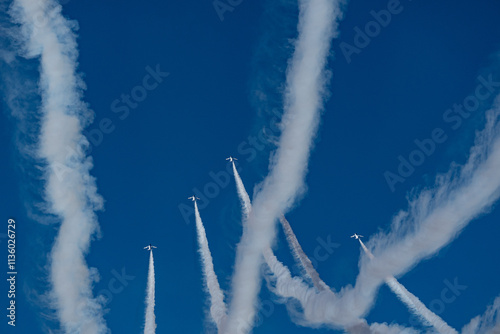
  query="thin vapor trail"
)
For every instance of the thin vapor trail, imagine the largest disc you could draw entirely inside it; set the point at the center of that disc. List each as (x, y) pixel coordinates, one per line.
(413, 303)
(150, 325)
(218, 307)
(70, 191)
(306, 82)
(301, 257)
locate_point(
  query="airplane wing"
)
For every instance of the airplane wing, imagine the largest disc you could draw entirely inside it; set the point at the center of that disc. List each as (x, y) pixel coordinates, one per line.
(146, 247)
(154, 246)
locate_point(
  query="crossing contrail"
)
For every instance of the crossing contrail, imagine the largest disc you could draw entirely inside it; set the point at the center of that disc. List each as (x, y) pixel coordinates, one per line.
(305, 87)
(218, 307)
(70, 190)
(297, 251)
(150, 324)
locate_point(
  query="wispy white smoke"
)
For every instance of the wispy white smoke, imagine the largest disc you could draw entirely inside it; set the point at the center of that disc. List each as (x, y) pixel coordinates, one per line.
(436, 216)
(218, 307)
(488, 323)
(433, 220)
(418, 308)
(303, 102)
(297, 251)
(301, 257)
(150, 324)
(70, 191)
(246, 204)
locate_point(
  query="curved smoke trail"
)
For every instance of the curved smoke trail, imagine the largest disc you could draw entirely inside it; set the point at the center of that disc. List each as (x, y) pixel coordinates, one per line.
(218, 307)
(150, 325)
(436, 216)
(306, 82)
(70, 191)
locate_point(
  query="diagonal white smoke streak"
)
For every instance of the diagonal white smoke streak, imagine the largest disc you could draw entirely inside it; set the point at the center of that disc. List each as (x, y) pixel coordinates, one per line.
(246, 204)
(70, 191)
(150, 324)
(297, 251)
(303, 101)
(434, 218)
(413, 303)
(301, 257)
(218, 307)
(488, 323)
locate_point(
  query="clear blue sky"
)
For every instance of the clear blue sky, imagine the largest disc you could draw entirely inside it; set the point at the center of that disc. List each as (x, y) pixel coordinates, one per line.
(395, 90)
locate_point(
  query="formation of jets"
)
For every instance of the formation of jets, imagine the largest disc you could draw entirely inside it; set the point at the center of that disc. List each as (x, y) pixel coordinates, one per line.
(231, 159)
(149, 247)
(356, 236)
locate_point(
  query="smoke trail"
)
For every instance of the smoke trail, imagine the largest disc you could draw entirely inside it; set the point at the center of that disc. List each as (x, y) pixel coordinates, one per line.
(246, 204)
(297, 251)
(304, 94)
(217, 308)
(436, 216)
(150, 325)
(413, 303)
(488, 323)
(70, 191)
(301, 257)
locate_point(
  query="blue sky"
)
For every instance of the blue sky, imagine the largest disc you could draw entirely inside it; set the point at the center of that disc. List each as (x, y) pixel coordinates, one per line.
(393, 92)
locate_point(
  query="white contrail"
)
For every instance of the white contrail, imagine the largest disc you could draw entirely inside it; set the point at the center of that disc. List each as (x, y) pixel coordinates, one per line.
(70, 191)
(434, 218)
(306, 82)
(218, 307)
(413, 303)
(488, 323)
(283, 276)
(301, 257)
(150, 325)
(246, 204)
(297, 251)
